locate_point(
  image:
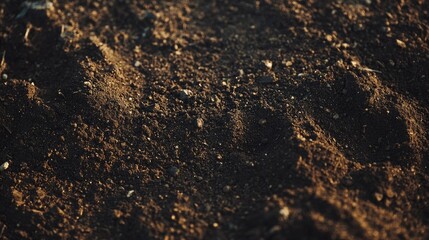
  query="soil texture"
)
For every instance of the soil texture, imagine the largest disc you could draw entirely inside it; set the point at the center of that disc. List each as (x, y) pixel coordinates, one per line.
(214, 119)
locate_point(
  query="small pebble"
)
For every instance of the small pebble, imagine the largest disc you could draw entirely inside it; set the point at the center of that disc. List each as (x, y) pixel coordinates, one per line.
(200, 123)
(262, 121)
(390, 193)
(378, 196)
(173, 171)
(336, 116)
(137, 64)
(4, 166)
(240, 72)
(4, 76)
(268, 64)
(185, 94)
(130, 193)
(88, 84)
(400, 43)
(226, 189)
(285, 212)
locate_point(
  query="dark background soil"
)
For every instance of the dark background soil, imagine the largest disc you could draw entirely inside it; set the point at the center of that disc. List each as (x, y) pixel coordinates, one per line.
(266, 119)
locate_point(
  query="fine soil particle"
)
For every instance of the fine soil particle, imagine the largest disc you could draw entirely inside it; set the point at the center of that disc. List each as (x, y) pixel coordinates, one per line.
(265, 119)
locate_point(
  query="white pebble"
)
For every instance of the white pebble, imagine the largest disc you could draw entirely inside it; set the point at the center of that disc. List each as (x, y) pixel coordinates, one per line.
(4, 76)
(130, 193)
(4, 166)
(137, 64)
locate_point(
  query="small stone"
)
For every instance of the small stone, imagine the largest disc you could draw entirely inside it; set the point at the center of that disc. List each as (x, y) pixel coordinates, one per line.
(137, 64)
(329, 38)
(4, 166)
(200, 123)
(378, 196)
(268, 64)
(355, 63)
(173, 171)
(226, 189)
(390, 193)
(240, 72)
(185, 94)
(80, 211)
(284, 212)
(262, 121)
(336, 116)
(130, 193)
(4, 76)
(400, 43)
(288, 63)
(117, 213)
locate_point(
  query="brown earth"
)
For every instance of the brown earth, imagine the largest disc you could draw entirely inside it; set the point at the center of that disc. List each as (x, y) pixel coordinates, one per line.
(270, 119)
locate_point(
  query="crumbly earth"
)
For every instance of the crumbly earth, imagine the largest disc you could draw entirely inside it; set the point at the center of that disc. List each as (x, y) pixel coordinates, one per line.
(220, 119)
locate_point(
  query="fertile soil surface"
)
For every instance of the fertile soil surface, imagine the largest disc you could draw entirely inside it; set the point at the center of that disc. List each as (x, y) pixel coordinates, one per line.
(221, 119)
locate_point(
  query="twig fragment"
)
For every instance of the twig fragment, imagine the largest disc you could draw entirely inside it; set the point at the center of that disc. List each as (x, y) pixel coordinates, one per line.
(27, 32)
(369, 70)
(3, 59)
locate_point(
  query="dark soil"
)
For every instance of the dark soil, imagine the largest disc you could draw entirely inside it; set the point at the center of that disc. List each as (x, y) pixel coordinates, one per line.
(265, 119)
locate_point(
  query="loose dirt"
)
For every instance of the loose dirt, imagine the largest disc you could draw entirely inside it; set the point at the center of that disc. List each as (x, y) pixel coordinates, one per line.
(265, 119)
